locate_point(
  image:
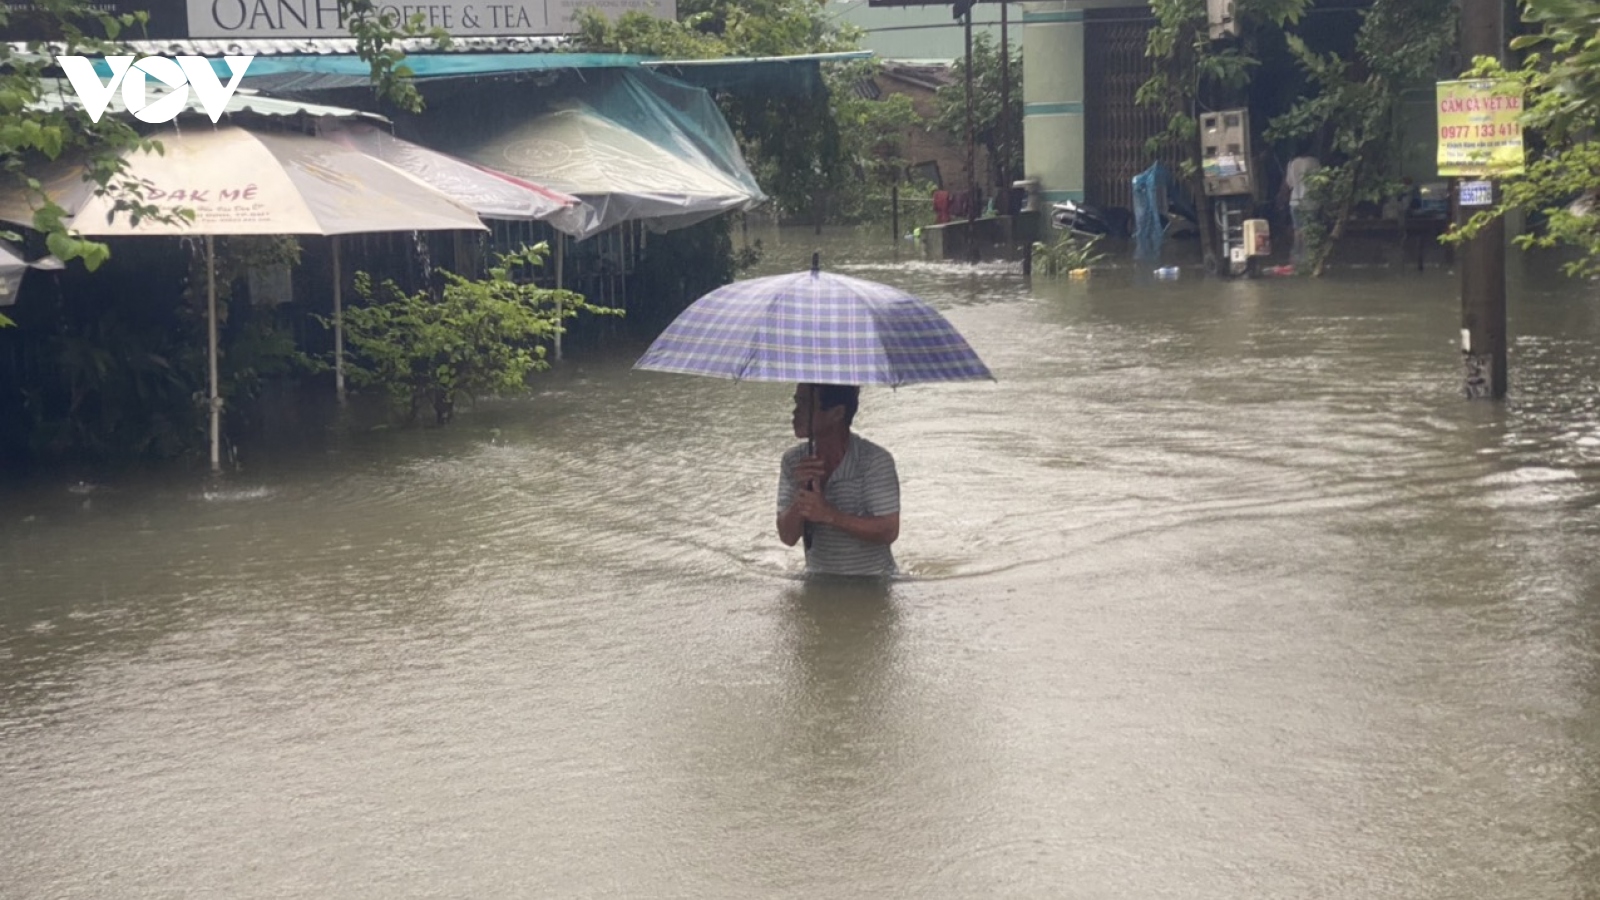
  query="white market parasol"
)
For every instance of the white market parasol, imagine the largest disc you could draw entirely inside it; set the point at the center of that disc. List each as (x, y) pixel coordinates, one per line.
(240, 182)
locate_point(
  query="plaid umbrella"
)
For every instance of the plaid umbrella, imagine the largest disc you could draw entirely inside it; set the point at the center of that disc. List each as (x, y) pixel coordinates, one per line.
(814, 327)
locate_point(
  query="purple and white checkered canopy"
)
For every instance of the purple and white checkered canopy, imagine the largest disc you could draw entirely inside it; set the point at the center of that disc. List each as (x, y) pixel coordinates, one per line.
(814, 327)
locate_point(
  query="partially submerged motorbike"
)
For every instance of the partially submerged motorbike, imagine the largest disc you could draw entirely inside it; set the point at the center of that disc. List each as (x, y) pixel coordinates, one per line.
(1089, 221)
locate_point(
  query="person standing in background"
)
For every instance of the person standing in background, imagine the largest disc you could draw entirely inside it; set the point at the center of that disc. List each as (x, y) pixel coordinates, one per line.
(1302, 208)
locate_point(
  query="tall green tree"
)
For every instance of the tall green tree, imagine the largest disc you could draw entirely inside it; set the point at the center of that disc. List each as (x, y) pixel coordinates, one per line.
(1560, 75)
(873, 139)
(1356, 101)
(990, 122)
(1191, 71)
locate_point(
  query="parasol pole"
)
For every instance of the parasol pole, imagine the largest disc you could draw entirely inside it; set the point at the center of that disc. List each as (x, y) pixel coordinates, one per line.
(561, 256)
(338, 325)
(211, 353)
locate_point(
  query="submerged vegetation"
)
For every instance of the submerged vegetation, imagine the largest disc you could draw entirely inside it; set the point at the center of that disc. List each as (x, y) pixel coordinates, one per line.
(478, 338)
(1068, 253)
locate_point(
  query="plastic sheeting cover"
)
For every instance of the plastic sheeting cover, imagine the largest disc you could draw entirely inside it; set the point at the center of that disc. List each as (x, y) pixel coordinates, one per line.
(631, 146)
(1149, 202)
(491, 194)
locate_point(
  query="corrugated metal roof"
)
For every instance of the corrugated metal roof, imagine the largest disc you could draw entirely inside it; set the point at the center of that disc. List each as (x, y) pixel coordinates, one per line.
(243, 101)
(444, 65)
(798, 74)
(280, 83)
(839, 56)
(218, 47)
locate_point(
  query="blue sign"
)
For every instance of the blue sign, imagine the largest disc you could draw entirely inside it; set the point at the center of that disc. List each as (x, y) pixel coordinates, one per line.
(1477, 193)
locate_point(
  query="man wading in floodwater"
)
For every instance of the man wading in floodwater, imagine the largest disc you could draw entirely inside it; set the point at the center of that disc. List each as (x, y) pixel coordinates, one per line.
(846, 489)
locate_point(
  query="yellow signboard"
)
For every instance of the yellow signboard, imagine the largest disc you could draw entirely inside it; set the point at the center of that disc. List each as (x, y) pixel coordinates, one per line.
(1480, 128)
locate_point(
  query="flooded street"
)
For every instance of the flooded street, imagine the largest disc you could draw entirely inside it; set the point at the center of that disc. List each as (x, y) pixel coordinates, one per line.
(1220, 591)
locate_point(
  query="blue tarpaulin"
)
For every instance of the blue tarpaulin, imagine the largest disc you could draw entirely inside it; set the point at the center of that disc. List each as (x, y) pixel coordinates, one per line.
(1149, 206)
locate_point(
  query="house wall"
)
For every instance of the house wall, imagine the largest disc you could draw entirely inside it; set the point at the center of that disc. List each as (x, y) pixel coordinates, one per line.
(1053, 99)
(916, 32)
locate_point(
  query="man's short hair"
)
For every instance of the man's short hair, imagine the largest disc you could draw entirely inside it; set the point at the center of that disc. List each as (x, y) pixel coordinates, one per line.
(845, 395)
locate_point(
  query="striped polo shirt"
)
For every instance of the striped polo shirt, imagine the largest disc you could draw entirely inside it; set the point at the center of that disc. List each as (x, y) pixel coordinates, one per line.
(865, 484)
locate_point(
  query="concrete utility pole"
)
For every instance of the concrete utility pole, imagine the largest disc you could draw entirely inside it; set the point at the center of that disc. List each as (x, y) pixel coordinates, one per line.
(1483, 259)
(1003, 189)
(972, 155)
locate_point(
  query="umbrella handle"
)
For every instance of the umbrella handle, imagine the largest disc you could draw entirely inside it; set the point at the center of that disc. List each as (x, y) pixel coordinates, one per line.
(805, 530)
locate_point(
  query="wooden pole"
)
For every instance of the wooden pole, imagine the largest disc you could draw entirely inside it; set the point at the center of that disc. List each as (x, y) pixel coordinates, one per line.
(894, 214)
(561, 258)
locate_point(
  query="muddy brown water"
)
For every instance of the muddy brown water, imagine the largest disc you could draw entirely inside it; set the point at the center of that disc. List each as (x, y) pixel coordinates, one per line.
(1220, 591)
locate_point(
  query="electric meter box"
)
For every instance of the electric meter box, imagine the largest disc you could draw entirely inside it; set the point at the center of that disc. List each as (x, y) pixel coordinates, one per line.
(1257, 237)
(1225, 153)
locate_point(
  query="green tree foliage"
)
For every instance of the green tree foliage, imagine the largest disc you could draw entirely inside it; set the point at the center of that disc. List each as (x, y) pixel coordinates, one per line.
(1560, 76)
(259, 348)
(1191, 71)
(990, 122)
(1357, 104)
(107, 368)
(477, 339)
(34, 131)
(873, 139)
(793, 143)
(381, 35)
(681, 266)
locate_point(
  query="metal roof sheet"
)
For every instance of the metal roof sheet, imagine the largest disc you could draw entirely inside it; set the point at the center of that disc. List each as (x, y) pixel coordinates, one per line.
(798, 74)
(243, 100)
(444, 65)
(217, 47)
(838, 56)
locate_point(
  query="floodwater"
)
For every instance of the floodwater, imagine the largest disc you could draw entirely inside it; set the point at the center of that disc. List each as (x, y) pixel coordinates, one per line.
(1220, 591)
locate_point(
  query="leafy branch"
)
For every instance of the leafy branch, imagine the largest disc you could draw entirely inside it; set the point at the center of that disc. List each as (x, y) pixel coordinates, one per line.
(479, 338)
(381, 35)
(1357, 103)
(1560, 77)
(37, 133)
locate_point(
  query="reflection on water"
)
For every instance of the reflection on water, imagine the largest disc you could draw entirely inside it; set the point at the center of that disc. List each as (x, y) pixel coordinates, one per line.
(1220, 590)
